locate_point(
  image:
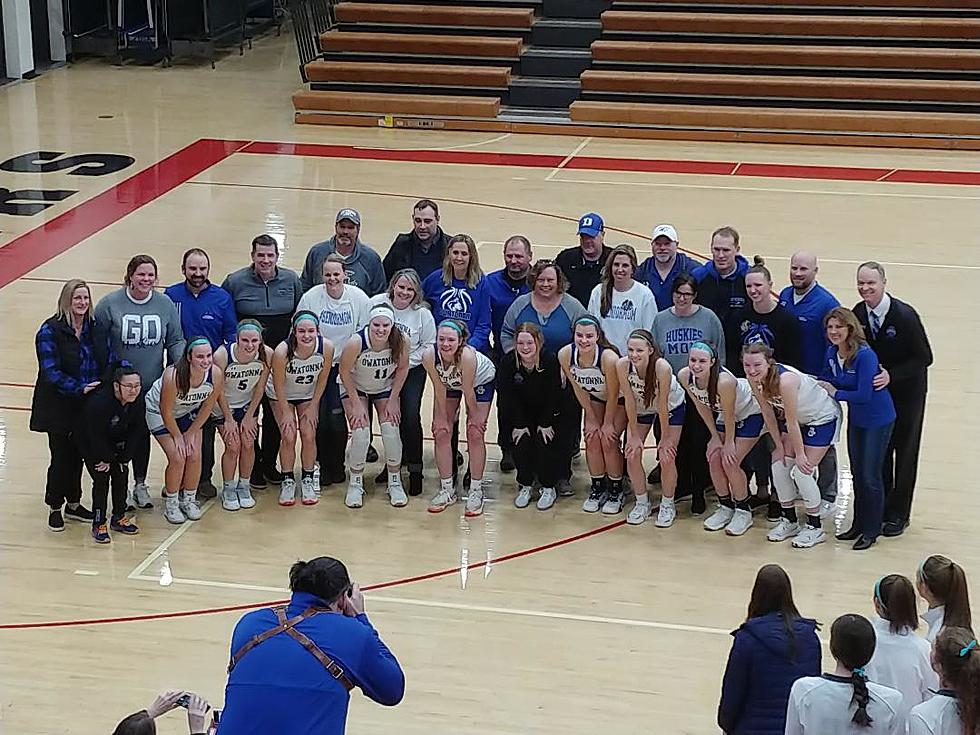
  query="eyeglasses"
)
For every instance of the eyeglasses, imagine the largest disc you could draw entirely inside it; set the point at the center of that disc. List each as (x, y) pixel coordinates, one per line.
(685, 294)
(130, 386)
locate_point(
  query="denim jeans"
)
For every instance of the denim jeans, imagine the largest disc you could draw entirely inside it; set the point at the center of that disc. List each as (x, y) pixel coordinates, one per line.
(866, 448)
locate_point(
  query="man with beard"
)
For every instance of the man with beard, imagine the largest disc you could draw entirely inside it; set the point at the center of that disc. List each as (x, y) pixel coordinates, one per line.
(362, 264)
(505, 286)
(423, 248)
(659, 270)
(206, 311)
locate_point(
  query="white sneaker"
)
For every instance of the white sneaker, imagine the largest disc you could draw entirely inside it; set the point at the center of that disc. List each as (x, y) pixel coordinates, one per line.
(245, 499)
(827, 509)
(229, 498)
(613, 505)
(442, 500)
(594, 501)
(783, 531)
(308, 491)
(547, 498)
(667, 514)
(640, 511)
(396, 493)
(474, 503)
(171, 509)
(141, 495)
(523, 498)
(740, 523)
(719, 519)
(355, 493)
(809, 537)
(287, 492)
(189, 505)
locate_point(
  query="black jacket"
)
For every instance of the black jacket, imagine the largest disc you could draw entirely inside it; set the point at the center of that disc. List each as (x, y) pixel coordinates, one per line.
(901, 345)
(406, 252)
(107, 430)
(530, 398)
(59, 351)
(778, 329)
(582, 277)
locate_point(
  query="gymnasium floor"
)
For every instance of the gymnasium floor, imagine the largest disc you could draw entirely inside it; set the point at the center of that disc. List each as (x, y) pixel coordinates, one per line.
(564, 622)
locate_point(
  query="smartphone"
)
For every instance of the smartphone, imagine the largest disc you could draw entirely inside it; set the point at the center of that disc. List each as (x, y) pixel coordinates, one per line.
(184, 700)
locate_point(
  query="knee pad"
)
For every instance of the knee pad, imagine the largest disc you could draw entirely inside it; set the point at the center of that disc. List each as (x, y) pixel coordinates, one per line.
(807, 484)
(391, 439)
(357, 448)
(783, 482)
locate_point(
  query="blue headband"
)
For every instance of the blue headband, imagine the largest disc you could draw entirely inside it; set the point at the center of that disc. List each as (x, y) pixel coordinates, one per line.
(300, 317)
(967, 648)
(878, 593)
(249, 327)
(452, 325)
(588, 319)
(702, 346)
(198, 341)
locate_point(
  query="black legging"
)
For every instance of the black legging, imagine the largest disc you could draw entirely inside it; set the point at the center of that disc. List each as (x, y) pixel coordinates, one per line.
(536, 460)
(331, 433)
(267, 444)
(64, 484)
(117, 476)
(569, 431)
(411, 423)
(692, 461)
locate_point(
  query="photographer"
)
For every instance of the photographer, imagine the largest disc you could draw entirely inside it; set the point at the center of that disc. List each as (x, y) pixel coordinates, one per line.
(277, 686)
(142, 722)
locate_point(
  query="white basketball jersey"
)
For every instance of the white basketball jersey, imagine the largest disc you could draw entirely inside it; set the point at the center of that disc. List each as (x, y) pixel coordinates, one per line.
(183, 405)
(374, 370)
(452, 376)
(745, 403)
(241, 378)
(674, 399)
(813, 405)
(301, 376)
(589, 378)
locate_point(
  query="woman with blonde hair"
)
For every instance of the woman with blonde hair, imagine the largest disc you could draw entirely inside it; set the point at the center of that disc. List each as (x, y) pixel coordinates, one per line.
(67, 370)
(848, 375)
(458, 291)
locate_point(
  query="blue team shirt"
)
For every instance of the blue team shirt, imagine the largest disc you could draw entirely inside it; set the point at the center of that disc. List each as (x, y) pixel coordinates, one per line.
(457, 301)
(868, 408)
(210, 314)
(648, 275)
(810, 312)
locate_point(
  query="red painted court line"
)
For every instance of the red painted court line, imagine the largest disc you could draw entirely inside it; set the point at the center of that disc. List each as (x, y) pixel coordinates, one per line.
(600, 163)
(14, 408)
(36, 247)
(269, 603)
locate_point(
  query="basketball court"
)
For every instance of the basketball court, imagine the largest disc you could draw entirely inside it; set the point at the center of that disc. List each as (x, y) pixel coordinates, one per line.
(515, 622)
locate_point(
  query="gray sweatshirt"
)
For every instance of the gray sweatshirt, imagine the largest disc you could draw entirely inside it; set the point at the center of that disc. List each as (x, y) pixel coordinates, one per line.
(137, 332)
(674, 334)
(556, 327)
(363, 267)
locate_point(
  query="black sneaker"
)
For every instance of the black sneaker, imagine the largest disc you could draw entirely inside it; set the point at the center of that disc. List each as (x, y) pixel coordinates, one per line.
(79, 513)
(775, 512)
(756, 502)
(564, 488)
(507, 461)
(55, 522)
(372, 454)
(274, 476)
(257, 481)
(206, 490)
(654, 477)
(698, 505)
(414, 484)
(382, 477)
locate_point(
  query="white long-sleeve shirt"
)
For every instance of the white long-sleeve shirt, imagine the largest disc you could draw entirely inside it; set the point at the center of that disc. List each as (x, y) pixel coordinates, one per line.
(821, 705)
(935, 618)
(631, 309)
(938, 716)
(416, 324)
(901, 661)
(339, 318)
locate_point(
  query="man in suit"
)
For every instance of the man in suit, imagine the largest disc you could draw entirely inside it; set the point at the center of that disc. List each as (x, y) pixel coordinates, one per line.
(894, 331)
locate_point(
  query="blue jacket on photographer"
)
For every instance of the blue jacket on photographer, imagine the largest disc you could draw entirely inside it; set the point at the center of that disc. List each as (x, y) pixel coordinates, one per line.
(292, 668)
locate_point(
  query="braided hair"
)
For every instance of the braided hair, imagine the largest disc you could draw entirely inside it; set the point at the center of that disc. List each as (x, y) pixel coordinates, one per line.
(852, 643)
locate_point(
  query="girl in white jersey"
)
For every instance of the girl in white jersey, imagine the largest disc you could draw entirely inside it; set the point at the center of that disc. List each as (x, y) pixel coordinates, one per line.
(650, 390)
(177, 405)
(845, 702)
(245, 364)
(942, 583)
(373, 367)
(731, 413)
(620, 303)
(589, 365)
(415, 322)
(798, 411)
(955, 710)
(300, 366)
(459, 374)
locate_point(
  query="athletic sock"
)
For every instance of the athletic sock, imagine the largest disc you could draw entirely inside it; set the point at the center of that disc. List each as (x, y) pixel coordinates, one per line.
(446, 484)
(642, 498)
(289, 476)
(743, 504)
(726, 500)
(615, 486)
(790, 515)
(597, 484)
(813, 521)
(307, 474)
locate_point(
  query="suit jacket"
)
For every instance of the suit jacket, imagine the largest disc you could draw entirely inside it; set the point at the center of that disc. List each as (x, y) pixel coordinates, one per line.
(901, 345)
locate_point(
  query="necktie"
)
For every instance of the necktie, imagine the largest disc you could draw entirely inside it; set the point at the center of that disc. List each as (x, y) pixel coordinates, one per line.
(875, 324)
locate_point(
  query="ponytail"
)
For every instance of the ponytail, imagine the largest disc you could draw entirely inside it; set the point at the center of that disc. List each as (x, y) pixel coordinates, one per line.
(895, 596)
(958, 659)
(852, 643)
(947, 582)
(861, 697)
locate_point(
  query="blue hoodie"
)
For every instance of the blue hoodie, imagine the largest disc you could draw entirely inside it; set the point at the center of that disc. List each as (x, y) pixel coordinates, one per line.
(502, 292)
(724, 295)
(457, 301)
(761, 671)
(647, 274)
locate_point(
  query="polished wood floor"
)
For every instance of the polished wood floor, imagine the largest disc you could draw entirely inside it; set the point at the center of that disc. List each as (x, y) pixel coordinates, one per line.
(625, 630)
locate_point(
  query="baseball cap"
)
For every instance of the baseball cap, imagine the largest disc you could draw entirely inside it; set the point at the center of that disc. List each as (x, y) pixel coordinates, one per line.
(350, 214)
(590, 224)
(666, 231)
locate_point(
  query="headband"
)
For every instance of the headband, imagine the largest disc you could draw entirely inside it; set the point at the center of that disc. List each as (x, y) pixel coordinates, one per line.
(452, 325)
(198, 341)
(702, 346)
(967, 648)
(247, 326)
(382, 310)
(588, 319)
(305, 315)
(878, 592)
(639, 334)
